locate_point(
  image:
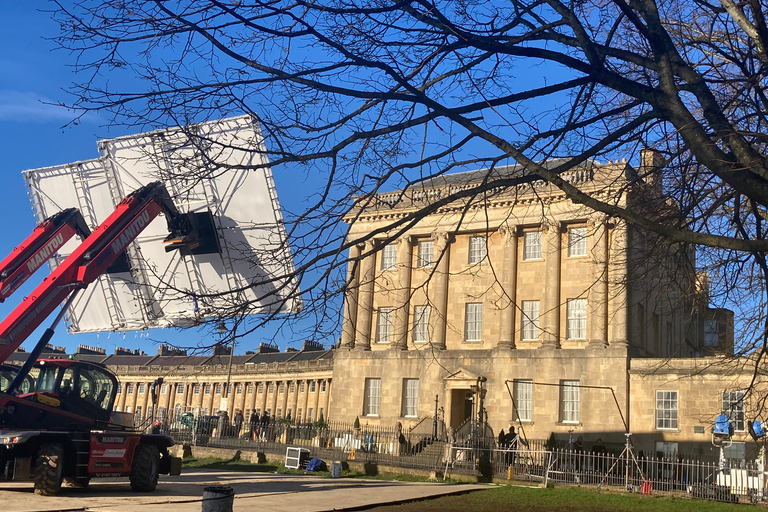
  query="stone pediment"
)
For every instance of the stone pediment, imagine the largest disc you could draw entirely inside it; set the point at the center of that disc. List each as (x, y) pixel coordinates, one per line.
(461, 376)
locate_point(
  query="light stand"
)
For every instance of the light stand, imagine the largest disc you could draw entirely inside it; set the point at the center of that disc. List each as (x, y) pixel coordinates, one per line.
(629, 452)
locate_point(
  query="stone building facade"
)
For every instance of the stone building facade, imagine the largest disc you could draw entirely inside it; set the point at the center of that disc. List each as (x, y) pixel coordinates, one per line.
(295, 382)
(519, 303)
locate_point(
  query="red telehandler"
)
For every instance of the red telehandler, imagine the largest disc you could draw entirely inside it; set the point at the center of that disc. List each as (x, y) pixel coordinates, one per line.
(56, 415)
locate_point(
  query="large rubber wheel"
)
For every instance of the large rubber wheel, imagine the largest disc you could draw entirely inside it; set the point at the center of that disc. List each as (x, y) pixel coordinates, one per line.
(48, 469)
(144, 470)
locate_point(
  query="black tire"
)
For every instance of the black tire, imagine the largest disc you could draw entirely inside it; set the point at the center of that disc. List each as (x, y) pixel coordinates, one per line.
(78, 483)
(49, 466)
(145, 468)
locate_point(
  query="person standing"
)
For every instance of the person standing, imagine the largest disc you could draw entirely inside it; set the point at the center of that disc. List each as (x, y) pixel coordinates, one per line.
(238, 422)
(254, 425)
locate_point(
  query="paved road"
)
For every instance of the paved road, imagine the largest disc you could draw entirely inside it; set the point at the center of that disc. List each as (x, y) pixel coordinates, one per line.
(253, 491)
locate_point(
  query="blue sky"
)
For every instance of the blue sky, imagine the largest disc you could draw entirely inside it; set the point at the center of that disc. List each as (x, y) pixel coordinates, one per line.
(31, 134)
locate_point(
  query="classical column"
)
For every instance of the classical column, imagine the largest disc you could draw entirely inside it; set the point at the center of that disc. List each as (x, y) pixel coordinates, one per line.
(350, 298)
(264, 396)
(598, 293)
(252, 401)
(403, 293)
(187, 398)
(167, 398)
(295, 404)
(618, 283)
(145, 401)
(241, 397)
(276, 389)
(365, 297)
(551, 317)
(211, 397)
(317, 400)
(439, 285)
(327, 398)
(285, 399)
(198, 403)
(508, 287)
(123, 395)
(306, 398)
(134, 397)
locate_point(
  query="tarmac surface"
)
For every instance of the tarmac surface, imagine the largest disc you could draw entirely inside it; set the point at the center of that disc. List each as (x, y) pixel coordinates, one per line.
(265, 492)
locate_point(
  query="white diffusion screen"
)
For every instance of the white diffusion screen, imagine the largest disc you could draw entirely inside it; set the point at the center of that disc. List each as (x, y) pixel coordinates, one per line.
(213, 167)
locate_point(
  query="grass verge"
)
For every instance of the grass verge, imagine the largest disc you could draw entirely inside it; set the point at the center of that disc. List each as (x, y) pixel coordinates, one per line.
(559, 499)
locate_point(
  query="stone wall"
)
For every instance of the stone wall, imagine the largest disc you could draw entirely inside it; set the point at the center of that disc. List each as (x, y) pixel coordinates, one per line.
(448, 374)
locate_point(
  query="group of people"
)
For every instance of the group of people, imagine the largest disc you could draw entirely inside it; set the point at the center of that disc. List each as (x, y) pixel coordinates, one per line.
(257, 424)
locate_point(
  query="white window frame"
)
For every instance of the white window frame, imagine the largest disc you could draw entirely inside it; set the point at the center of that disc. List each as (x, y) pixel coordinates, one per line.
(733, 407)
(532, 245)
(667, 403)
(478, 249)
(384, 325)
(577, 241)
(576, 319)
(180, 388)
(473, 321)
(389, 257)
(130, 388)
(570, 401)
(195, 389)
(372, 397)
(421, 323)
(531, 314)
(142, 388)
(426, 253)
(523, 390)
(410, 398)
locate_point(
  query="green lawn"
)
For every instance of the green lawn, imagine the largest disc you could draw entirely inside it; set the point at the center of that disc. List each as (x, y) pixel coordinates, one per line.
(559, 499)
(505, 498)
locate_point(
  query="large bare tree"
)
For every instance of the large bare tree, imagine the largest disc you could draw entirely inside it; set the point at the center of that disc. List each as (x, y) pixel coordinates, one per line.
(365, 96)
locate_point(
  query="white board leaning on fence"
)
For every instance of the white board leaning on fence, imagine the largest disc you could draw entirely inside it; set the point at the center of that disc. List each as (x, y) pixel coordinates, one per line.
(217, 167)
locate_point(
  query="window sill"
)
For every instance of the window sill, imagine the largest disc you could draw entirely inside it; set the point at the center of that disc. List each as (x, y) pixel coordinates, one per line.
(533, 259)
(569, 423)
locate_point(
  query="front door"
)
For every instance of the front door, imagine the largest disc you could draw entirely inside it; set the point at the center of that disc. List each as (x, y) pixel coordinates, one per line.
(461, 407)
